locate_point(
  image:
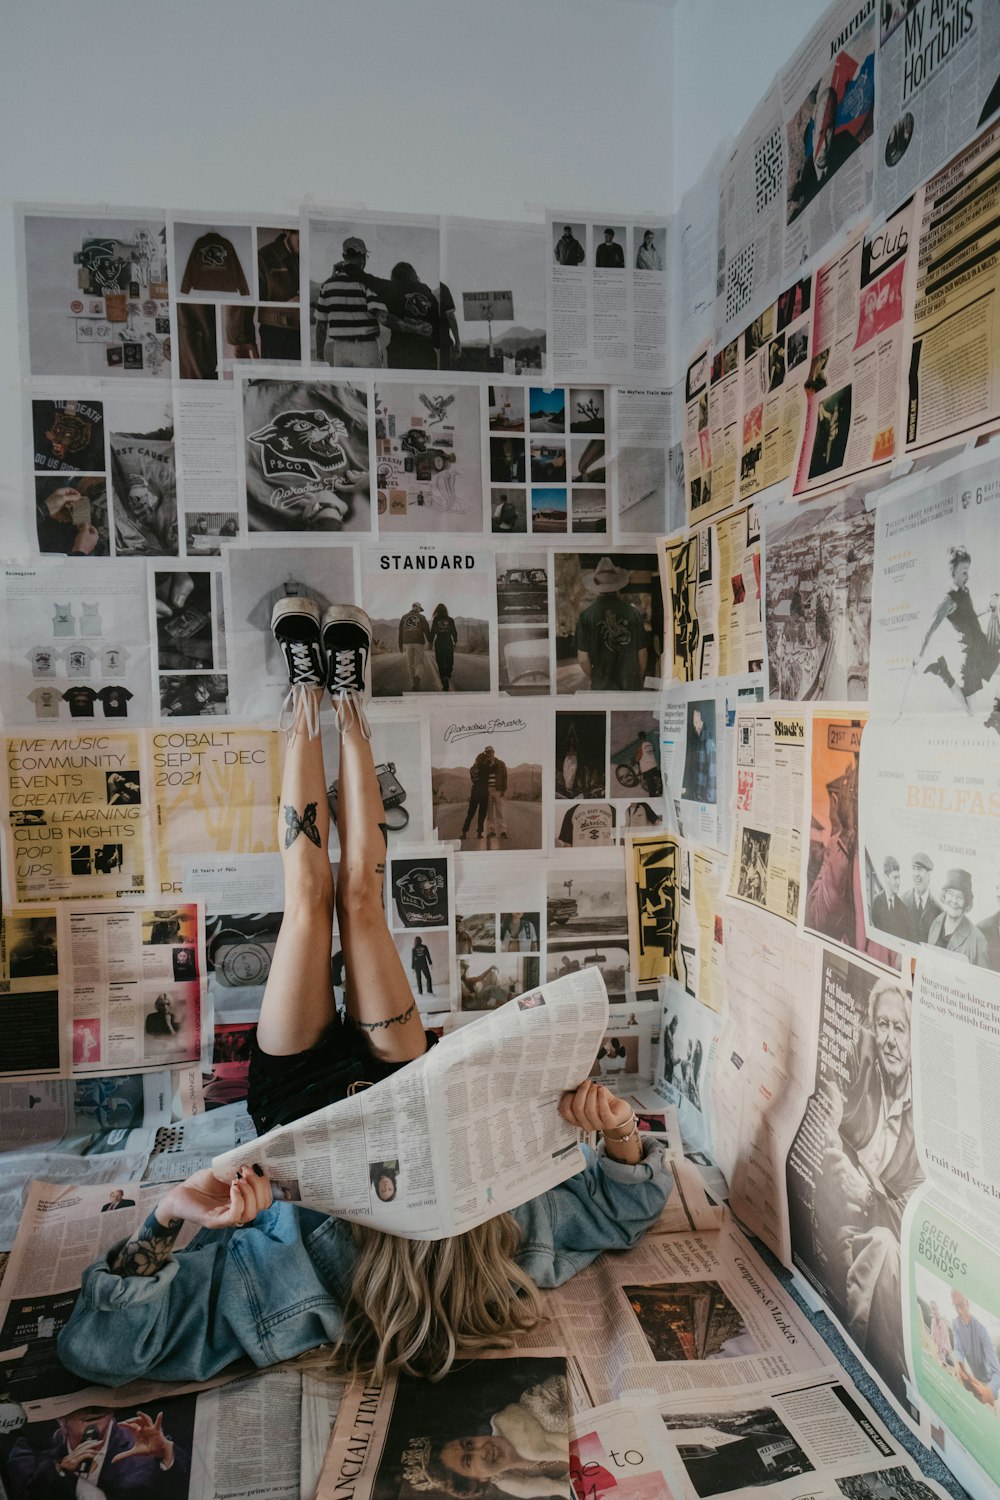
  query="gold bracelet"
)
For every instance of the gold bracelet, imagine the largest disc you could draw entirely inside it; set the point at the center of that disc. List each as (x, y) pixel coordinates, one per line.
(619, 1140)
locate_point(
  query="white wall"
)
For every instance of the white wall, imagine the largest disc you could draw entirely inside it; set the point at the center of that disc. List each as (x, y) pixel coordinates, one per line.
(478, 107)
(725, 54)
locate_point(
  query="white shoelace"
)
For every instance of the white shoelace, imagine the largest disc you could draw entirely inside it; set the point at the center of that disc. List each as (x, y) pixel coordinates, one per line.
(349, 710)
(344, 677)
(303, 698)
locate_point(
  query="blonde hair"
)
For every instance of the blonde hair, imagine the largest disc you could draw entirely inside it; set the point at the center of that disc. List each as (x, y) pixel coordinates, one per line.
(414, 1305)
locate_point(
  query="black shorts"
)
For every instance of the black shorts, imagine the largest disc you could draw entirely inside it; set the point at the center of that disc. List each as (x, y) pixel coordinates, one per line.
(282, 1089)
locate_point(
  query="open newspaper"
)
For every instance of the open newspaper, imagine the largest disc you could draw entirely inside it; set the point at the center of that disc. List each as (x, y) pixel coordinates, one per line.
(466, 1131)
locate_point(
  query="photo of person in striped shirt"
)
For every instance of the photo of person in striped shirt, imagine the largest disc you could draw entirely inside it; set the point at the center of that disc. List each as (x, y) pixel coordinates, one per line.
(349, 314)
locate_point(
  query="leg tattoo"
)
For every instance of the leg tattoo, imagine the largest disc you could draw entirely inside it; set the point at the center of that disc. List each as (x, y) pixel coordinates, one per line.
(404, 1015)
(294, 825)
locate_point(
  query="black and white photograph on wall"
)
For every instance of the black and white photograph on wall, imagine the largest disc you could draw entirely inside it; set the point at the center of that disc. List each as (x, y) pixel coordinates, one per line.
(650, 246)
(569, 242)
(735, 1450)
(641, 478)
(689, 1320)
(257, 581)
(522, 584)
(884, 1484)
(193, 695)
(609, 621)
(638, 816)
(568, 955)
(375, 298)
(508, 510)
(587, 461)
(685, 1044)
(306, 456)
(431, 614)
(71, 515)
(426, 959)
(609, 242)
(183, 607)
(206, 531)
(589, 512)
(68, 434)
(428, 448)
(493, 296)
(833, 426)
(817, 568)
(418, 891)
(97, 296)
(508, 460)
(251, 331)
(485, 984)
(505, 407)
(213, 261)
(617, 1054)
(587, 409)
(755, 849)
(486, 778)
(30, 946)
(585, 825)
(579, 906)
(581, 751)
(143, 477)
(238, 952)
(634, 750)
(853, 1164)
(519, 931)
(700, 783)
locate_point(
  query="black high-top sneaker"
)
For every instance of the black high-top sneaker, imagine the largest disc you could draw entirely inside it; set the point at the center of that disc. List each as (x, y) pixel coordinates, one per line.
(295, 624)
(347, 641)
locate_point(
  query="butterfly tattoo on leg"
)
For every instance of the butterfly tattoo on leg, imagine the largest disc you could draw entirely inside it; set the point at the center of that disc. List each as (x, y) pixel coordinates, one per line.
(294, 825)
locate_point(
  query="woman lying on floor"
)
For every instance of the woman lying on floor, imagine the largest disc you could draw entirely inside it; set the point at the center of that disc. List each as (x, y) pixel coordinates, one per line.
(270, 1280)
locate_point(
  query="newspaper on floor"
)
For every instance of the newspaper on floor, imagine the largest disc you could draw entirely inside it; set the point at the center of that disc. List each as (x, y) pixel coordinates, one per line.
(95, 989)
(62, 1231)
(322, 1393)
(462, 1133)
(828, 97)
(767, 824)
(817, 1438)
(683, 1313)
(98, 1130)
(751, 219)
(951, 1307)
(853, 387)
(953, 354)
(607, 295)
(938, 75)
(506, 1416)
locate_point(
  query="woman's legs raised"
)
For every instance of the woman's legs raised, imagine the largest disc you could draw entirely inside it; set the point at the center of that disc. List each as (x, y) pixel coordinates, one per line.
(298, 1001)
(376, 990)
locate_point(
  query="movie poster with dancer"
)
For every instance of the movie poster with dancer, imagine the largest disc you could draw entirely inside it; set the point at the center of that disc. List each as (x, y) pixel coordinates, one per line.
(853, 1164)
(936, 597)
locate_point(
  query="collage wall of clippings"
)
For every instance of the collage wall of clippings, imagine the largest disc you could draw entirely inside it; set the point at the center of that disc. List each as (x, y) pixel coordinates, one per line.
(679, 538)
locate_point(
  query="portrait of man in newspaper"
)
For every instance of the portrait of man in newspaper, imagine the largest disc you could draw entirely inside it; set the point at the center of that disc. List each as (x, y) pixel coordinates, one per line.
(502, 1429)
(133, 1454)
(853, 1164)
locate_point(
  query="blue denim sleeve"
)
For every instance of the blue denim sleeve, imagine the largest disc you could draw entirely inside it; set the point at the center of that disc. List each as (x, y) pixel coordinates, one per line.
(250, 1293)
(607, 1206)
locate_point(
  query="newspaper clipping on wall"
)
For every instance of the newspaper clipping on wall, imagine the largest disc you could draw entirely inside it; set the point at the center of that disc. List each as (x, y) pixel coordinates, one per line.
(953, 354)
(767, 836)
(751, 219)
(938, 84)
(775, 351)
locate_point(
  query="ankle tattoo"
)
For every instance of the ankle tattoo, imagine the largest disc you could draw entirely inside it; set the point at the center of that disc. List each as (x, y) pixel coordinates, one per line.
(294, 825)
(148, 1250)
(404, 1015)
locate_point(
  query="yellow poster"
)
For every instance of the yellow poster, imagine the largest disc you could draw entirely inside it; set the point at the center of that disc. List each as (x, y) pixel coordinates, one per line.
(653, 892)
(216, 792)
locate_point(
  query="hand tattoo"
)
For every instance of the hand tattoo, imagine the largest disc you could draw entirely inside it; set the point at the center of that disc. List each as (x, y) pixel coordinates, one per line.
(148, 1250)
(404, 1015)
(294, 825)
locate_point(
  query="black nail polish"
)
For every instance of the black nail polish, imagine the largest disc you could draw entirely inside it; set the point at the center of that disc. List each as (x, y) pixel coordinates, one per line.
(240, 1174)
(258, 1169)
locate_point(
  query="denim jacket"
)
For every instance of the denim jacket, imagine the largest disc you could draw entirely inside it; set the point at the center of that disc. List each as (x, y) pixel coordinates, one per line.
(276, 1287)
